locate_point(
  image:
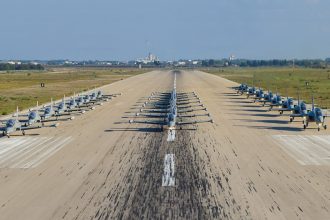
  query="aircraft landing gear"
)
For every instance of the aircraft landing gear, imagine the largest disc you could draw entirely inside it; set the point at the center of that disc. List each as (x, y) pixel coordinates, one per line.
(291, 119)
(318, 128)
(325, 127)
(23, 132)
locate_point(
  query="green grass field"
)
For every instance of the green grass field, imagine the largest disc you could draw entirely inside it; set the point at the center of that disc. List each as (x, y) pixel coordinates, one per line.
(287, 81)
(23, 89)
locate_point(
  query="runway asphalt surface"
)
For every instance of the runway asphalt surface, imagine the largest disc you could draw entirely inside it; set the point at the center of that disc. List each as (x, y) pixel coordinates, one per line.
(248, 164)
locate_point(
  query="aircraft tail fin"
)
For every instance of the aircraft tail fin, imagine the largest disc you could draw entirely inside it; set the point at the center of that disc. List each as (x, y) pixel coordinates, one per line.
(287, 94)
(298, 99)
(313, 105)
(276, 92)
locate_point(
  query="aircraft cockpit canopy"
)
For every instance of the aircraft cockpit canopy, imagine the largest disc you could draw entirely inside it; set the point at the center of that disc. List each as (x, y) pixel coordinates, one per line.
(32, 115)
(10, 123)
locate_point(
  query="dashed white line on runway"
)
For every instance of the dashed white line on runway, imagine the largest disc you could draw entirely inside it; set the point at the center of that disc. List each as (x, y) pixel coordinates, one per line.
(29, 152)
(169, 170)
(171, 135)
(306, 149)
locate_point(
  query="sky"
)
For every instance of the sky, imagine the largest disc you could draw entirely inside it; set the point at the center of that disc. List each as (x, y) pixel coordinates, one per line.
(171, 29)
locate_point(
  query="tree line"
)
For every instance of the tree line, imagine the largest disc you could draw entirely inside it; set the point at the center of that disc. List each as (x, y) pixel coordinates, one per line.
(311, 63)
(27, 66)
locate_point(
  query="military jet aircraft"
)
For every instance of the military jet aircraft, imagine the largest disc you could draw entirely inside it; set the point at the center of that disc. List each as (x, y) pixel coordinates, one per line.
(172, 116)
(84, 101)
(51, 111)
(276, 102)
(267, 98)
(48, 111)
(259, 95)
(13, 125)
(242, 89)
(300, 110)
(61, 107)
(33, 117)
(287, 105)
(315, 115)
(250, 92)
(104, 97)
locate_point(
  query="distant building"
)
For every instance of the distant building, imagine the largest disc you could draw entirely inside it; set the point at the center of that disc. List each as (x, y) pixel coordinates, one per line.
(232, 57)
(151, 58)
(14, 62)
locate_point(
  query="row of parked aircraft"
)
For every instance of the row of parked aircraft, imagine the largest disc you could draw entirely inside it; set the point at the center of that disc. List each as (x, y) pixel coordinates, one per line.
(36, 117)
(172, 108)
(297, 109)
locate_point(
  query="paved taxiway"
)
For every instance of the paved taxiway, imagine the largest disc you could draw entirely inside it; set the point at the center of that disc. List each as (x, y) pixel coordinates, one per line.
(248, 164)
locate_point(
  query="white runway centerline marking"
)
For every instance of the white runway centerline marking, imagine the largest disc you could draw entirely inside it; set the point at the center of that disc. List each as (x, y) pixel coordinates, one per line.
(306, 149)
(169, 166)
(29, 152)
(171, 135)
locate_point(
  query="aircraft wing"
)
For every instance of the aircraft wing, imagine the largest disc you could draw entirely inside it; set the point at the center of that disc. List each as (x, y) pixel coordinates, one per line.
(187, 102)
(154, 110)
(283, 109)
(151, 115)
(297, 115)
(194, 115)
(274, 105)
(30, 127)
(190, 106)
(194, 122)
(191, 110)
(149, 122)
(23, 121)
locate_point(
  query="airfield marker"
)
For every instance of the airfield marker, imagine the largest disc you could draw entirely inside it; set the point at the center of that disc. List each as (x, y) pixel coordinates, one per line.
(169, 167)
(171, 135)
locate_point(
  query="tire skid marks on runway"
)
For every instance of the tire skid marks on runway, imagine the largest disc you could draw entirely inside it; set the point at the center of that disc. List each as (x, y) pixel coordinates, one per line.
(169, 170)
(306, 149)
(29, 152)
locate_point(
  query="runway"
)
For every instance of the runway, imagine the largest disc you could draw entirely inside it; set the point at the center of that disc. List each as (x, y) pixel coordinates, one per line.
(306, 149)
(248, 164)
(29, 152)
